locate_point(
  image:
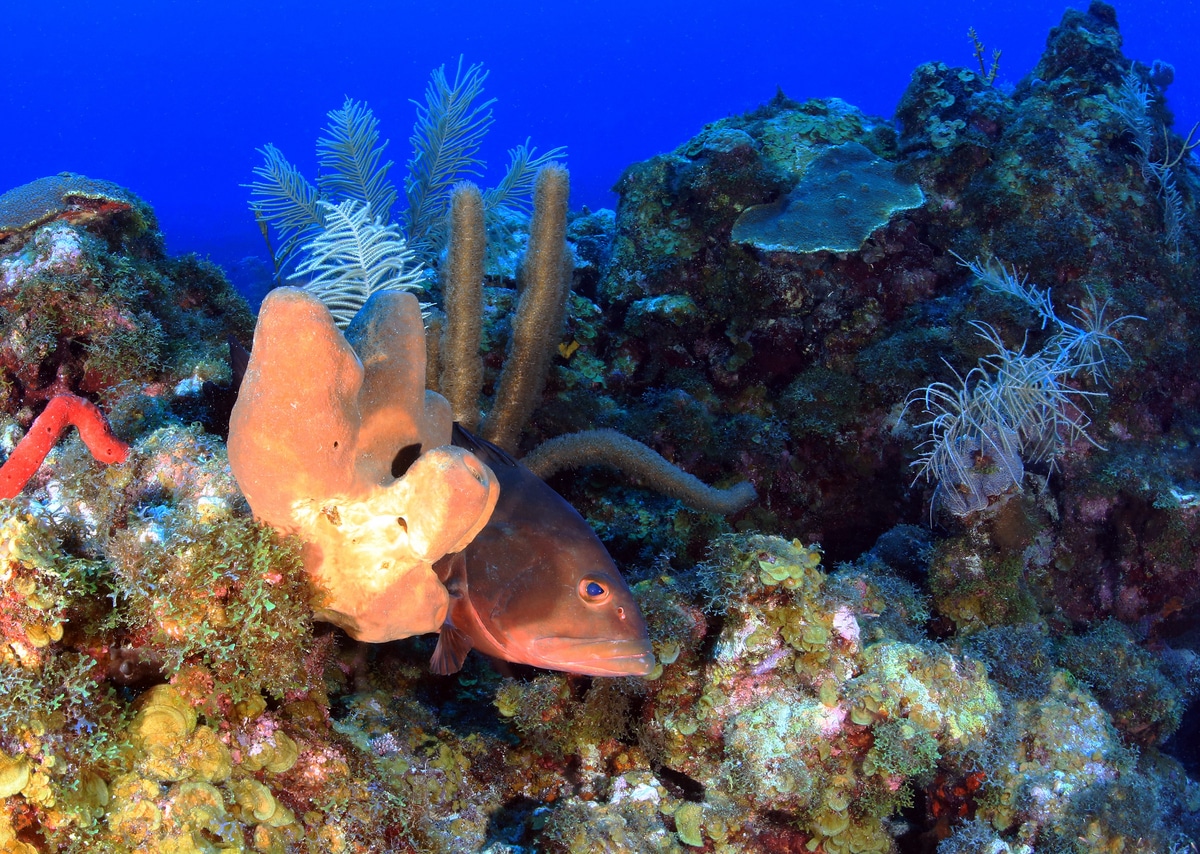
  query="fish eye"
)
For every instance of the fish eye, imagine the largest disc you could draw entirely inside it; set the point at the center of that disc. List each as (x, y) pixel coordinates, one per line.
(592, 591)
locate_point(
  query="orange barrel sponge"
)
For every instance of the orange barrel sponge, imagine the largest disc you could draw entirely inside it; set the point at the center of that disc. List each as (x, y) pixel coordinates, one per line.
(334, 438)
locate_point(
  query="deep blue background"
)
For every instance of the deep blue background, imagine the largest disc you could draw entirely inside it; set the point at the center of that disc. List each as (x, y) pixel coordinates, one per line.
(172, 98)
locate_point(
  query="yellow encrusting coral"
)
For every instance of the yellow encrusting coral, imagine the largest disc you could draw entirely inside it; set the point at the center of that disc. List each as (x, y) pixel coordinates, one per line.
(796, 713)
(14, 774)
(35, 582)
(276, 754)
(230, 784)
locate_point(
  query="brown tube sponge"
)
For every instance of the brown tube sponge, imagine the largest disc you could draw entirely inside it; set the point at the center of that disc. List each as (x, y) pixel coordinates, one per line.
(545, 279)
(462, 293)
(618, 451)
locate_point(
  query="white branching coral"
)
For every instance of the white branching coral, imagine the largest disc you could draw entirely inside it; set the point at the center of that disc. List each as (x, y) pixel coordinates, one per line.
(1013, 406)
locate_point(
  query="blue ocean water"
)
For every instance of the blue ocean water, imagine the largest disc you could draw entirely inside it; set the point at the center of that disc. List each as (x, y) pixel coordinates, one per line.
(172, 97)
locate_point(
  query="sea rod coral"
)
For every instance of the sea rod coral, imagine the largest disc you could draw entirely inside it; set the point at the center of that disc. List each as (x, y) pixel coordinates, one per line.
(63, 411)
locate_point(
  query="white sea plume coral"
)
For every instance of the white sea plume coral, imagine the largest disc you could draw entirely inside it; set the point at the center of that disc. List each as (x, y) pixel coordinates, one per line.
(998, 278)
(1082, 345)
(972, 452)
(450, 128)
(1028, 393)
(354, 257)
(349, 158)
(349, 155)
(1077, 347)
(446, 137)
(515, 190)
(285, 200)
(1132, 103)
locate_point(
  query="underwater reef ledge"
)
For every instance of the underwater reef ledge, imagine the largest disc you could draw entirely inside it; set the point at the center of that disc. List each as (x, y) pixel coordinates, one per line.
(1000, 657)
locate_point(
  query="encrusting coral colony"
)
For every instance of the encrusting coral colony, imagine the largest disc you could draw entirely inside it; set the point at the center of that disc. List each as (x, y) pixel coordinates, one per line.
(997, 291)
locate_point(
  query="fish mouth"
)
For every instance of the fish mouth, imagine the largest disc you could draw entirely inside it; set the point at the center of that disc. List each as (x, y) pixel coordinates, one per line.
(596, 656)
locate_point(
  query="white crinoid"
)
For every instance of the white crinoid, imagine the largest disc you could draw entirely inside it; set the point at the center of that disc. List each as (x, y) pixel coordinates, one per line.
(354, 257)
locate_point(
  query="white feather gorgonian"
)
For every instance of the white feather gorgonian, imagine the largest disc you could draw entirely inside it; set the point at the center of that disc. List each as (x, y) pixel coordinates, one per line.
(354, 257)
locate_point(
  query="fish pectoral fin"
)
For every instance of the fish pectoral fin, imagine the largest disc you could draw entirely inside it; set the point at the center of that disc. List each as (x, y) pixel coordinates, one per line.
(451, 570)
(452, 648)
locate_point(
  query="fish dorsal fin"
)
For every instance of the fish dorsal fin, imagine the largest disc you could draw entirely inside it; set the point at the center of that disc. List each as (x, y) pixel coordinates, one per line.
(451, 651)
(492, 455)
(239, 360)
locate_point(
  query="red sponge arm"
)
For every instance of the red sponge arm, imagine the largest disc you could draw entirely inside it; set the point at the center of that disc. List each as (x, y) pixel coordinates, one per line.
(62, 411)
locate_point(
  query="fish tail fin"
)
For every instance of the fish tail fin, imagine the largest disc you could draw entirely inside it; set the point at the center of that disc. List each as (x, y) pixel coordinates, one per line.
(451, 651)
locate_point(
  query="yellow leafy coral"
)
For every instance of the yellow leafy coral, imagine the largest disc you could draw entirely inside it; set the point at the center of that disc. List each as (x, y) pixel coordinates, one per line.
(790, 572)
(172, 747)
(276, 755)
(14, 774)
(32, 583)
(335, 438)
(186, 792)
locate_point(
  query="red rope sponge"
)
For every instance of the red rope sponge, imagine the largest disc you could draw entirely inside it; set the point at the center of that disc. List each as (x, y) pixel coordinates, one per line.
(61, 412)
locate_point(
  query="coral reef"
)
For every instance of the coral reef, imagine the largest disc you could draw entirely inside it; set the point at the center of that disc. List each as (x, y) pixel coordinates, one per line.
(93, 304)
(838, 668)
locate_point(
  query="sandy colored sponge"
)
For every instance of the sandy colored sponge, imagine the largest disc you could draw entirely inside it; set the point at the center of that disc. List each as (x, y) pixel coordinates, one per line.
(320, 440)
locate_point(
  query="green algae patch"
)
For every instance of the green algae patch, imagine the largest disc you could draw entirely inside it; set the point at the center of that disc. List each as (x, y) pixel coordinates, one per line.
(687, 824)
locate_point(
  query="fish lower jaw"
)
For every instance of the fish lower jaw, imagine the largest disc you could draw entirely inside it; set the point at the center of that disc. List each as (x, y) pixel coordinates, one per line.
(595, 656)
(636, 666)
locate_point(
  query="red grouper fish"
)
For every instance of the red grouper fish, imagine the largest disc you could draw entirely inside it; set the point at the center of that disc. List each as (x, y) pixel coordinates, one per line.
(537, 586)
